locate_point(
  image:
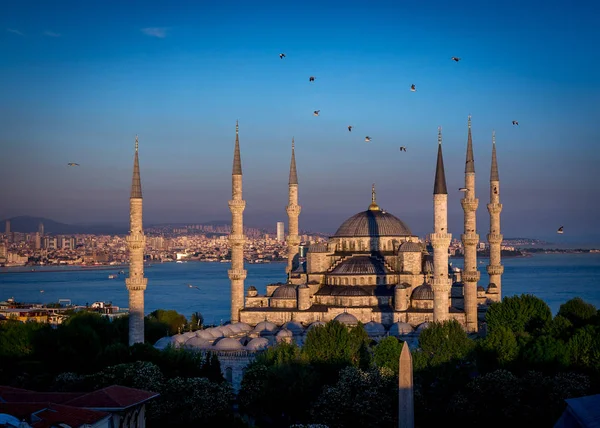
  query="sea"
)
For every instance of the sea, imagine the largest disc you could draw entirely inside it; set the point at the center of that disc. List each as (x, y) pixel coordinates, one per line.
(204, 287)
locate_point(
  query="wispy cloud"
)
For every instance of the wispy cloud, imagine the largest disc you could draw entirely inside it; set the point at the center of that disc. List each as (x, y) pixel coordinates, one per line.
(51, 34)
(11, 30)
(160, 32)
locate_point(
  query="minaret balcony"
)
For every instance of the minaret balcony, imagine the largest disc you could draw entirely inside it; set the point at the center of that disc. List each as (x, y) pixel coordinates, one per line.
(237, 239)
(494, 208)
(237, 205)
(469, 239)
(495, 269)
(441, 285)
(469, 205)
(136, 284)
(237, 274)
(292, 240)
(495, 238)
(440, 239)
(293, 209)
(470, 276)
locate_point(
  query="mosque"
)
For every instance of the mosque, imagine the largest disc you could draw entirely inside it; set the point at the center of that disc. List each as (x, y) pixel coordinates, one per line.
(374, 269)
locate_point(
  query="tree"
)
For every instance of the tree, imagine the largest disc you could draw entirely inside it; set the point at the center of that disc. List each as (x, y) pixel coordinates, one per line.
(578, 311)
(173, 319)
(502, 344)
(444, 342)
(334, 344)
(387, 353)
(524, 313)
(197, 320)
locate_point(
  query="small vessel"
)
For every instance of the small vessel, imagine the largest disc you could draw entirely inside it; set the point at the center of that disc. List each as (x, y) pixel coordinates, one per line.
(122, 272)
(112, 276)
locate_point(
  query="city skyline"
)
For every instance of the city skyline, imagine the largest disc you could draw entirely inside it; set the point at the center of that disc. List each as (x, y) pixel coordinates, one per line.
(180, 78)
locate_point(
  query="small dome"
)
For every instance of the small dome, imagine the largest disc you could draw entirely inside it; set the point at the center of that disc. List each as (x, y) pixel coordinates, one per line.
(294, 326)
(243, 326)
(228, 344)
(315, 324)
(410, 247)
(374, 328)
(252, 288)
(422, 292)
(402, 286)
(284, 292)
(204, 334)
(361, 265)
(226, 330)
(349, 291)
(347, 319)
(197, 342)
(422, 327)
(235, 328)
(265, 326)
(178, 338)
(400, 328)
(189, 334)
(284, 332)
(320, 247)
(163, 342)
(257, 344)
(214, 332)
(303, 286)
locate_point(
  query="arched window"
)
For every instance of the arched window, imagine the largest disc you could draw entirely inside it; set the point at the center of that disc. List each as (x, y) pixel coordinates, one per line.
(353, 281)
(229, 374)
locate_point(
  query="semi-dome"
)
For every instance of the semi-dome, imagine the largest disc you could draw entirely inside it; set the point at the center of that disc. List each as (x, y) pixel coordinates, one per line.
(422, 292)
(284, 292)
(214, 332)
(204, 334)
(399, 328)
(228, 344)
(349, 290)
(374, 328)
(347, 319)
(361, 265)
(372, 222)
(257, 344)
(410, 247)
(422, 327)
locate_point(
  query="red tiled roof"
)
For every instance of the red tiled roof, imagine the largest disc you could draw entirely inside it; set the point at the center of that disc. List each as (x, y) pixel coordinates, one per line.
(51, 414)
(112, 397)
(24, 396)
(10, 389)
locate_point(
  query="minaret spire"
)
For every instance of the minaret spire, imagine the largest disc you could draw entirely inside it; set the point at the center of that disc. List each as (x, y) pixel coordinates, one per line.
(440, 240)
(293, 212)
(136, 241)
(470, 239)
(495, 268)
(237, 273)
(439, 187)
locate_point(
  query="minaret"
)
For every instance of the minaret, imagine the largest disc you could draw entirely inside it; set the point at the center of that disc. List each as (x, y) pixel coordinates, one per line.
(470, 239)
(495, 269)
(136, 241)
(440, 240)
(237, 273)
(293, 211)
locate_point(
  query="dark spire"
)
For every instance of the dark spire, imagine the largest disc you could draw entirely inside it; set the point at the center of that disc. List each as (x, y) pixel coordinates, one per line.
(439, 186)
(470, 164)
(136, 183)
(237, 160)
(494, 174)
(293, 173)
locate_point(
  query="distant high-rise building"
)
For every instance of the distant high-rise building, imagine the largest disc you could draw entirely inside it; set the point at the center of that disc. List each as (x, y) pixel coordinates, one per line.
(41, 228)
(38, 241)
(7, 228)
(280, 231)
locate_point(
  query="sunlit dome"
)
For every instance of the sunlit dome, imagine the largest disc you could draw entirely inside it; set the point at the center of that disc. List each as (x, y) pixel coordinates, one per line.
(347, 319)
(228, 344)
(257, 344)
(215, 332)
(265, 326)
(197, 342)
(316, 324)
(284, 332)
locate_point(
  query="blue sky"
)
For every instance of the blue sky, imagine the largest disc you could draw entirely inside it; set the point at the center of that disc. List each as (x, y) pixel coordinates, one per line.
(79, 79)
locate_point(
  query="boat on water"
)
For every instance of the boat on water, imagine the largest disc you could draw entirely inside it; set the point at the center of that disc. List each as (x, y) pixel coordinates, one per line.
(113, 276)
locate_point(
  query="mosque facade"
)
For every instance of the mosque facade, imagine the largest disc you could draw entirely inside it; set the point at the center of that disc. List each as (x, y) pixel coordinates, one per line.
(374, 269)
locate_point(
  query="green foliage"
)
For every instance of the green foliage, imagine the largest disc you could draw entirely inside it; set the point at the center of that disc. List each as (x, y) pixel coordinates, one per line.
(359, 398)
(173, 319)
(197, 321)
(280, 354)
(334, 344)
(502, 344)
(560, 328)
(584, 348)
(17, 338)
(524, 313)
(444, 342)
(577, 311)
(387, 353)
(545, 352)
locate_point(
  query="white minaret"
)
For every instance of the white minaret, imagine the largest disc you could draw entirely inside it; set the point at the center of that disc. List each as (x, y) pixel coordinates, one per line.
(293, 212)
(495, 268)
(440, 240)
(237, 273)
(136, 241)
(470, 239)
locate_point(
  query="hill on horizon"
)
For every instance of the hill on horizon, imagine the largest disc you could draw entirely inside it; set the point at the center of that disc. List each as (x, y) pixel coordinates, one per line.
(29, 224)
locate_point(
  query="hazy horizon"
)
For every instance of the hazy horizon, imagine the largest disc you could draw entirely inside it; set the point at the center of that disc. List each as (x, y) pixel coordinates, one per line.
(79, 81)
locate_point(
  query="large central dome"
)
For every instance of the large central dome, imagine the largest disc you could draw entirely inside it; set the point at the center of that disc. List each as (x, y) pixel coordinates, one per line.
(372, 222)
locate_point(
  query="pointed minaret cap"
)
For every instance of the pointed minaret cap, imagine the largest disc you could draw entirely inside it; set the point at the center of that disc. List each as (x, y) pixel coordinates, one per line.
(470, 163)
(293, 173)
(494, 173)
(373, 206)
(136, 182)
(237, 160)
(439, 186)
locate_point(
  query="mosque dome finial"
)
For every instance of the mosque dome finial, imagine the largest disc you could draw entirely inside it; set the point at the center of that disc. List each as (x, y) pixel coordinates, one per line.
(373, 206)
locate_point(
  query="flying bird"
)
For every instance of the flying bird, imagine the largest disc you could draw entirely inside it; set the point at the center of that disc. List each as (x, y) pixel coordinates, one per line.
(72, 164)
(311, 79)
(402, 148)
(560, 230)
(367, 139)
(281, 55)
(413, 88)
(41, 291)
(316, 112)
(515, 122)
(349, 128)
(463, 189)
(455, 59)
(193, 286)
